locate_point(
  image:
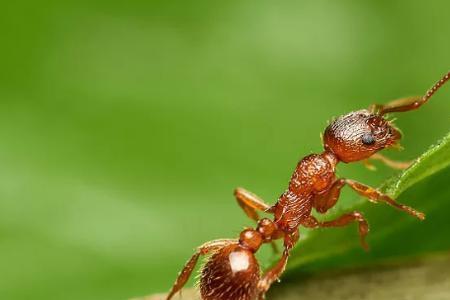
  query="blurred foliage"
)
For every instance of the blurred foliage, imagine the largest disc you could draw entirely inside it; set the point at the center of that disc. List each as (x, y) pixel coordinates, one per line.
(397, 244)
(125, 125)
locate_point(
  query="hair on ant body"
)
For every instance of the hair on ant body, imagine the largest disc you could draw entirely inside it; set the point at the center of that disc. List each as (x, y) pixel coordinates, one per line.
(232, 272)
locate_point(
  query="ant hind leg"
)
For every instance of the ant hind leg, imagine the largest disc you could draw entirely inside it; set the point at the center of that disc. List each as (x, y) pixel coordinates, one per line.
(275, 272)
(184, 275)
(251, 203)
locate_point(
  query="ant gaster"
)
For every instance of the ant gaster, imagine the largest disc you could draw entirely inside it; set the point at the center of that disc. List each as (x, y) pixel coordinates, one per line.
(232, 272)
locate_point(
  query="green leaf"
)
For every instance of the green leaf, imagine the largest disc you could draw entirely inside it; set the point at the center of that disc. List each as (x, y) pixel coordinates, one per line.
(429, 163)
(394, 235)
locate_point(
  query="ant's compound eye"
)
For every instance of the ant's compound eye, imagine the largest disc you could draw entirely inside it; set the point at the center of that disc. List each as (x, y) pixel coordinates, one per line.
(368, 139)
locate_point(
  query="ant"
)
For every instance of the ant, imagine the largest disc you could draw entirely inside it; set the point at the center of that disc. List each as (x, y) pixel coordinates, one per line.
(232, 272)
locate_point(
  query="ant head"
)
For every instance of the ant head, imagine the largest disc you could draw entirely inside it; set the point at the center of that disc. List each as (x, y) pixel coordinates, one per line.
(358, 135)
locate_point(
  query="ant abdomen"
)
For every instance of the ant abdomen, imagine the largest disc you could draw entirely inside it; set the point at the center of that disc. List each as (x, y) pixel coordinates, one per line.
(230, 273)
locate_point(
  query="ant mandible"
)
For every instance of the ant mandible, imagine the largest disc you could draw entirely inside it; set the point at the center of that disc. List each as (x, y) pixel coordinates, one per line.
(232, 271)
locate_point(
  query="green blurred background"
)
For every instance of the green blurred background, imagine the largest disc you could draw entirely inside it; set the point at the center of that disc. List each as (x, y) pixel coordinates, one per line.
(125, 126)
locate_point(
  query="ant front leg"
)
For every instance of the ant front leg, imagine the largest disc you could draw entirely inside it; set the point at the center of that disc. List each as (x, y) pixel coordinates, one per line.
(184, 275)
(324, 202)
(275, 272)
(399, 165)
(251, 203)
(376, 196)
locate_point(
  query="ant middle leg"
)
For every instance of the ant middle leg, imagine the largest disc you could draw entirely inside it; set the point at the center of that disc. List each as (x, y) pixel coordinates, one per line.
(251, 203)
(322, 203)
(184, 275)
(343, 220)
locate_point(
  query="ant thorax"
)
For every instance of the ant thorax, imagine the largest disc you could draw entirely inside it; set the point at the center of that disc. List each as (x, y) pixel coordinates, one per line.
(232, 271)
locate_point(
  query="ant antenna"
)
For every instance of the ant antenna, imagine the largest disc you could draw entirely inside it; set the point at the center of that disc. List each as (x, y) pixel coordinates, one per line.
(411, 103)
(435, 87)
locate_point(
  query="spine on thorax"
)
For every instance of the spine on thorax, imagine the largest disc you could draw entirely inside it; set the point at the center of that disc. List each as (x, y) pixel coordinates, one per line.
(313, 175)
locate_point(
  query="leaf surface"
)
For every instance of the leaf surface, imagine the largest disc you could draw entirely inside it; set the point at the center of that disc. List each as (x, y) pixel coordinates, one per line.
(394, 235)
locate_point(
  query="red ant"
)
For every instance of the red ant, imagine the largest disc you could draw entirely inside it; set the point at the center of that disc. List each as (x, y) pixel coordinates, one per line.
(232, 271)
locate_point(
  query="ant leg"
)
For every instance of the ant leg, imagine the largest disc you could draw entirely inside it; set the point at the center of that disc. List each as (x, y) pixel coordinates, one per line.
(344, 220)
(375, 196)
(369, 165)
(323, 203)
(251, 203)
(400, 165)
(406, 104)
(275, 272)
(184, 275)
